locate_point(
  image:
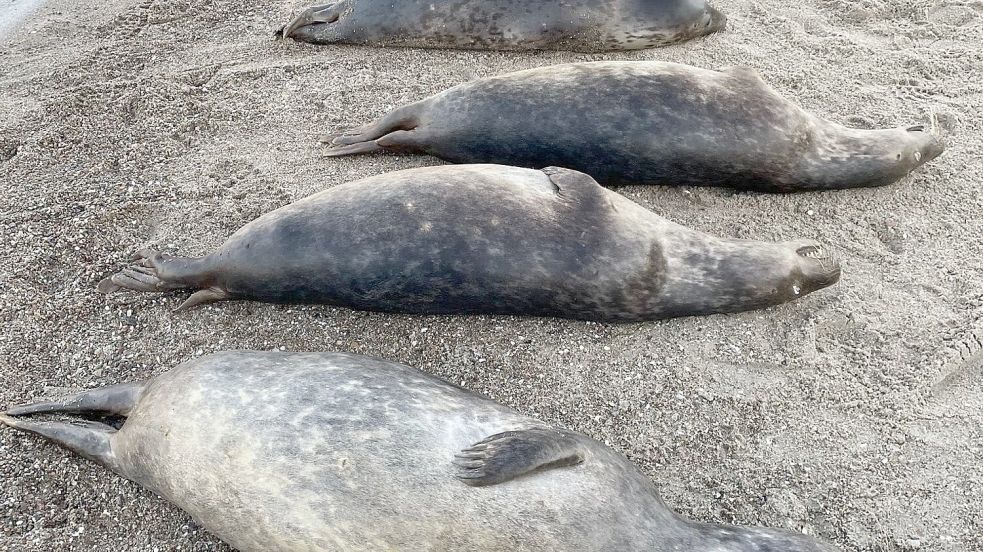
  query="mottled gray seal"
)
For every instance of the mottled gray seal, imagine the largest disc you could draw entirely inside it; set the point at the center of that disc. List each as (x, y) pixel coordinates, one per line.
(645, 122)
(487, 239)
(579, 25)
(276, 452)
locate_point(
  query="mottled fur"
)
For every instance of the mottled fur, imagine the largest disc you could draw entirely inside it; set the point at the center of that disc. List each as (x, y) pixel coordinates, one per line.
(579, 25)
(645, 122)
(284, 452)
(488, 239)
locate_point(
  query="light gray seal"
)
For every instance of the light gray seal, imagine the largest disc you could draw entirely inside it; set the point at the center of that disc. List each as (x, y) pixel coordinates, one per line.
(278, 452)
(645, 122)
(487, 239)
(578, 25)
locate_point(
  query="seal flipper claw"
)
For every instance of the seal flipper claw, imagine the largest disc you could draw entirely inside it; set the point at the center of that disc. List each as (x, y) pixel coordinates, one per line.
(87, 439)
(508, 455)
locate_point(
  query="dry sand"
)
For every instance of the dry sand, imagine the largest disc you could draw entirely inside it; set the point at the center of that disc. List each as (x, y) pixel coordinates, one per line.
(854, 414)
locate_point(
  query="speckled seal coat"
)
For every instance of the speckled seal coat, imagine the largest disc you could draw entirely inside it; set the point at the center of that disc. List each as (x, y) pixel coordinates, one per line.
(645, 122)
(277, 452)
(487, 239)
(579, 25)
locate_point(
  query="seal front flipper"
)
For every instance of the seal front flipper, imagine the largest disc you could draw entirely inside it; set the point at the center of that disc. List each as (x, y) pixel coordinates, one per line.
(573, 184)
(508, 455)
(87, 439)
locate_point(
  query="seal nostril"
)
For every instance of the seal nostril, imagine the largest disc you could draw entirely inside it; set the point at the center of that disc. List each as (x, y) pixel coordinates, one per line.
(917, 128)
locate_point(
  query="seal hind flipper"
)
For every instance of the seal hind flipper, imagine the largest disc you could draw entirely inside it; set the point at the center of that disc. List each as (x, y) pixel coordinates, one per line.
(87, 439)
(391, 131)
(143, 275)
(328, 13)
(203, 296)
(508, 455)
(152, 271)
(112, 399)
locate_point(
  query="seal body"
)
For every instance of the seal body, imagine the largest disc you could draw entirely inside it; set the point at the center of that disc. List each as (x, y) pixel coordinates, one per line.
(646, 123)
(488, 239)
(579, 25)
(276, 452)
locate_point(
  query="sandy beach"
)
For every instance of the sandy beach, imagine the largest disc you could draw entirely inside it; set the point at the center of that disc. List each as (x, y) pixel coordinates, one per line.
(855, 414)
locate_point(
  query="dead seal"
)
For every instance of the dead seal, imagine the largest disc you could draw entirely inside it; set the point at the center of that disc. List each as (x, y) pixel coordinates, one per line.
(645, 122)
(459, 239)
(578, 25)
(276, 452)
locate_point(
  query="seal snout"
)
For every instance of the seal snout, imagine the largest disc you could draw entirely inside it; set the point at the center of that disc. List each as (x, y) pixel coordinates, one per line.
(819, 265)
(929, 146)
(717, 22)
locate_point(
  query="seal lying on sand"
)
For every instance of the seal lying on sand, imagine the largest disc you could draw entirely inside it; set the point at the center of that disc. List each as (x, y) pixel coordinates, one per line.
(579, 25)
(645, 122)
(278, 452)
(487, 239)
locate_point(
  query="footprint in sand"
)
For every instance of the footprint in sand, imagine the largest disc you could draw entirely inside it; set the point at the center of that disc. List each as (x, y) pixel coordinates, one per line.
(962, 362)
(955, 14)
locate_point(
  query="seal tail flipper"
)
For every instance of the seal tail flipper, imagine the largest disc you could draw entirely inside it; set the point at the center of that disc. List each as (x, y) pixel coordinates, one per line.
(143, 275)
(328, 13)
(202, 297)
(508, 455)
(152, 271)
(112, 399)
(400, 140)
(90, 440)
(375, 136)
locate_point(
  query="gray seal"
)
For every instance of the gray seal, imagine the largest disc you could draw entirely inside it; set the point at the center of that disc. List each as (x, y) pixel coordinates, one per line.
(276, 452)
(645, 122)
(487, 239)
(578, 25)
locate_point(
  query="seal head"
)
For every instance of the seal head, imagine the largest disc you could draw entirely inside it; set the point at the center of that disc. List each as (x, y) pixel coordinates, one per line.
(850, 158)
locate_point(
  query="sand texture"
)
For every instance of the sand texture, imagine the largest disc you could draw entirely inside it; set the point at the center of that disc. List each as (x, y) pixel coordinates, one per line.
(855, 414)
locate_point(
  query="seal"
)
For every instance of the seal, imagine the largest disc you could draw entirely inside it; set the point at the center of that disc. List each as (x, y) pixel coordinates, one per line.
(460, 239)
(646, 122)
(275, 451)
(578, 25)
